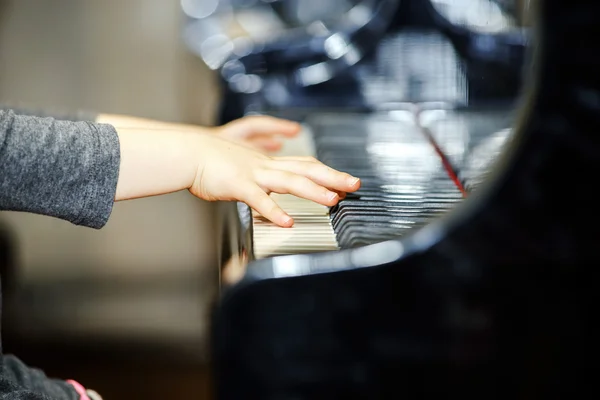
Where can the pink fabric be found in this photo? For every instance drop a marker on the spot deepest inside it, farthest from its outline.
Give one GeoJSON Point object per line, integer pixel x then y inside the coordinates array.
{"type": "Point", "coordinates": [79, 389]}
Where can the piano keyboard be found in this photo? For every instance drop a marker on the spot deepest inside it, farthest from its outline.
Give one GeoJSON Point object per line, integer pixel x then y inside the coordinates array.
{"type": "Point", "coordinates": [404, 183]}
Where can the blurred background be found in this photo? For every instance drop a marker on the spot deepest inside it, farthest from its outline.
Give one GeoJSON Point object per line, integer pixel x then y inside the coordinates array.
{"type": "Point", "coordinates": [123, 309]}
{"type": "Point", "coordinates": [126, 309]}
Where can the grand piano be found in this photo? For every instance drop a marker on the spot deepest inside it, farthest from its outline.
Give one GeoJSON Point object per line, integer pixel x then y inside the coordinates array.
{"type": "Point", "coordinates": [464, 265]}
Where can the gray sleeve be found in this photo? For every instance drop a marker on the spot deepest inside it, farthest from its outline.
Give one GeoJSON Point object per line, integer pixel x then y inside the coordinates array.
{"type": "Point", "coordinates": [20, 382]}
{"type": "Point", "coordinates": [63, 169]}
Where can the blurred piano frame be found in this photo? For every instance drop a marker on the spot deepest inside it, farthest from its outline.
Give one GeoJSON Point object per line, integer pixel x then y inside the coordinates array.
{"type": "Point", "coordinates": [492, 299]}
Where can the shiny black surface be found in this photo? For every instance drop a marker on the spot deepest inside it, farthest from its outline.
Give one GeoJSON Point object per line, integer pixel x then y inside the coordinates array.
{"type": "Point", "coordinates": [492, 301]}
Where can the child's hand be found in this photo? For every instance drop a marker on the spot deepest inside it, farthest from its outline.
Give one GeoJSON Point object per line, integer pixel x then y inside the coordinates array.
{"type": "Point", "coordinates": [260, 132]}
{"type": "Point", "coordinates": [229, 171]}
{"type": "Point", "coordinates": [222, 164]}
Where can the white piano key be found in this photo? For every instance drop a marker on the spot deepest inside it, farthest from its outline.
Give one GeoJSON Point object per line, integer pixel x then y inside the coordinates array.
{"type": "Point", "coordinates": [312, 230]}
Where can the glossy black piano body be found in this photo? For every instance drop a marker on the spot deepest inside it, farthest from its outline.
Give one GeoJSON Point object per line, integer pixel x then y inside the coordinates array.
{"type": "Point", "coordinates": [493, 300]}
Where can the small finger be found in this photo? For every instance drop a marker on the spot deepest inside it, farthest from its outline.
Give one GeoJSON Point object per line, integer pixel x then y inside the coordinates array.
{"type": "Point", "coordinates": [320, 174]}
{"type": "Point", "coordinates": [259, 200]}
{"type": "Point", "coordinates": [298, 185]}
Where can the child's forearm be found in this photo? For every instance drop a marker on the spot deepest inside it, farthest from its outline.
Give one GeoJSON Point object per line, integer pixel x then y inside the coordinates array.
{"type": "Point", "coordinates": [156, 161]}
{"type": "Point", "coordinates": [156, 157]}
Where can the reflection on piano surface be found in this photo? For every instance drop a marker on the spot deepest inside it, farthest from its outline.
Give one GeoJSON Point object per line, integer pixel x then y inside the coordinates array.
{"type": "Point", "coordinates": [406, 288]}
